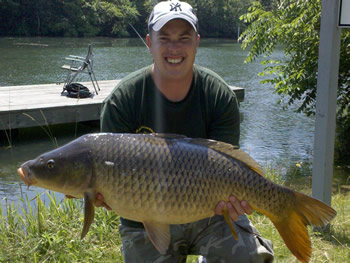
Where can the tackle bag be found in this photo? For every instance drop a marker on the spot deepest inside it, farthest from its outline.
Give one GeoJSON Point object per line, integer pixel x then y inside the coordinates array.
{"type": "Point", "coordinates": [77, 90]}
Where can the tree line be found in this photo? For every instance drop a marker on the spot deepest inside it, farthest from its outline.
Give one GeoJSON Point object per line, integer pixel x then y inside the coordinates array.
{"type": "Point", "coordinates": [110, 18]}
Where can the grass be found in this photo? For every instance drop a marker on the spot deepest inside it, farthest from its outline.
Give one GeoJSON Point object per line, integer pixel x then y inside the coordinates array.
{"type": "Point", "coordinates": [8, 136]}
{"type": "Point", "coordinates": [50, 232]}
{"type": "Point", "coordinates": [45, 128]}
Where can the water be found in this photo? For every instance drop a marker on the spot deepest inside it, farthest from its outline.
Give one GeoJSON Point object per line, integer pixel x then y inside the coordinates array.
{"type": "Point", "coordinates": [276, 137]}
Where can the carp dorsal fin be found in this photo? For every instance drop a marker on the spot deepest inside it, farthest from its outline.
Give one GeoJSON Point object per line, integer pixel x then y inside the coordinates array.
{"type": "Point", "coordinates": [159, 234]}
{"type": "Point", "coordinates": [168, 135]}
{"type": "Point", "coordinates": [231, 151]}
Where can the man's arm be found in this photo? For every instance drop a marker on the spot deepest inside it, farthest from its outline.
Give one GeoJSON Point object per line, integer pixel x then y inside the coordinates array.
{"type": "Point", "coordinates": [115, 115]}
{"type": "Point", "coordinates": [225, 117]}
{"type": "Point", "coordinates": [112, 120]}
{"type": "Point", "coordinates": [226, 127]}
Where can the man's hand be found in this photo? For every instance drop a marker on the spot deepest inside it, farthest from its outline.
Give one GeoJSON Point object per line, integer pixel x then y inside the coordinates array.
{"type": "Point", "coordinates": [99, 201]}
{"type": "Point", "coordinates": [235, 208]}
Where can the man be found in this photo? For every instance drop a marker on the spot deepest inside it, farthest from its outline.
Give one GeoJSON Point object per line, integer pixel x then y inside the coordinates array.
{"type": "Point", "coordinates": [175, 96]}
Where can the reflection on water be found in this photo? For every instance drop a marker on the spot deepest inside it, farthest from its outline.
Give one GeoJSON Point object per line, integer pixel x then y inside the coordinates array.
{"type": "Point", "coordinates": [271, 135]}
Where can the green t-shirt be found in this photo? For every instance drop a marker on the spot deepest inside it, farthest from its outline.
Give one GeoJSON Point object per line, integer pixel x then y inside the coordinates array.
{"type": "Point", "coordinates": [209, 110]}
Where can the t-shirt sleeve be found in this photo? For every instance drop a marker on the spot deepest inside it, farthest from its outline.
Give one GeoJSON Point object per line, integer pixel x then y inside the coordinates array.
{"type": "Point", "coordinates": [117, 114]}
{"type": "Point", "coordinates": [225, 122]}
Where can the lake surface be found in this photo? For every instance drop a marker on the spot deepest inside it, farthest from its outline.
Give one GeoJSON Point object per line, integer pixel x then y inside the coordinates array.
{"type": "Point", "coordinates": [273, 136]}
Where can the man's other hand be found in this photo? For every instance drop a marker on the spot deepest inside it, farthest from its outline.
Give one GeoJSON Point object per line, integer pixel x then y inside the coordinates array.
{"type": "Point", "coordinates": [235, 208]}
{"type": "Point", "coordinates": [99, 201]}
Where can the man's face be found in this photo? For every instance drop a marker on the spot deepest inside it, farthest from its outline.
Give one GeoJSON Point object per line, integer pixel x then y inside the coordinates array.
{"type": "Point", "coordinates": [174, 48]}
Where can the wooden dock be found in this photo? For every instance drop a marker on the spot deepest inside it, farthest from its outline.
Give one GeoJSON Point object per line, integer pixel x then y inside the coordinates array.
{"type": "Point", "coordinates": [41, 105]}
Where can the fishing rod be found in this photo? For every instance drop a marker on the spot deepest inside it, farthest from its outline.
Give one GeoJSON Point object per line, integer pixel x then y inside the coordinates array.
{"type": "Point", "coordinates": [138, 35]}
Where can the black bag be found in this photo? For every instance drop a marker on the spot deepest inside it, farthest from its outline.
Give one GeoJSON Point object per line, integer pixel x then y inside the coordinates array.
{"type": "Point", "coordinates": [77, 90]}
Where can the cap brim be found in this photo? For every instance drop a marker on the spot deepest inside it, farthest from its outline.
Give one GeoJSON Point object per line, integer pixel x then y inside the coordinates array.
{"type": "Point", "coordinates": [161, 22]}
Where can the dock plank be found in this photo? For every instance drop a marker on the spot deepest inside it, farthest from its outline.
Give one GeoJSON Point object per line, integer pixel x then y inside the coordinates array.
{"type": "Point", "coordinates": [36, 105]}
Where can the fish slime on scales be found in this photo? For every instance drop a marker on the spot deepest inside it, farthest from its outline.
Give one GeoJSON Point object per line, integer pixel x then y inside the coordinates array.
{"type": "Point", "coordinates": [163, 179]}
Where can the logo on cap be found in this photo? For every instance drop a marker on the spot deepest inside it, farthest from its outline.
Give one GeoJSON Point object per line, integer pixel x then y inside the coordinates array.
{"type": "Point", "coordinates": [174, 7]}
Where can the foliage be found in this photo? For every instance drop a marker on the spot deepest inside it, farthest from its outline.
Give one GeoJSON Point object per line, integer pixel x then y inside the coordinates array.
{"type": "Point", "coordinates": [110, 17]}
{"type": "Point", "coordinates": [66, 18]}
{"type": "Point", "coordinates": [295, 25]}
{"type": "Point", "coordinates": [144, 7]}
{"type": "Point", "coordinates": [219, 18]}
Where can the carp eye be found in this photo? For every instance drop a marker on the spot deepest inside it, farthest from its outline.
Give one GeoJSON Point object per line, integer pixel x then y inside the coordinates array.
{"type": "Point", "coordinates": [50, 164]}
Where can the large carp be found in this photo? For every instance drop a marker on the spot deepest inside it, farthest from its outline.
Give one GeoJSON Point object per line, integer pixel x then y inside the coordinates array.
{"type": "Point", "coordinates": [162, 179]}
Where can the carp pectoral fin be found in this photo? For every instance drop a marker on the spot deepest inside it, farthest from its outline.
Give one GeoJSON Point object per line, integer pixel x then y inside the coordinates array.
{"type": "Point", "coordinates": [159, 234]}
{"type": "Point", "coordinates": [230, 224]}
{"type": "Point", "coordinates": [89, 212]}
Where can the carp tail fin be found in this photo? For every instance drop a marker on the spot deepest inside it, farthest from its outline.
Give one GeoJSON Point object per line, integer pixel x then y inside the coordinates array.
{"type": "Point", "coordinates": [293, 225]}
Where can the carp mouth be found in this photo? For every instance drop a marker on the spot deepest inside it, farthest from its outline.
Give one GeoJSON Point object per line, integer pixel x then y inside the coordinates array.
{"type": "Point", "coordinates": [26, 178]}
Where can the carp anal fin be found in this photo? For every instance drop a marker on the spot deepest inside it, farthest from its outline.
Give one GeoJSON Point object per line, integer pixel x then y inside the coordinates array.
{"type": "Point", "coordinates": [230, 223]}
{"type": "Point", "coordinates": [230, 151]}
{"type": "Point", "coordinates": [89, 212]}
{"type": "Point", "coordinates": [159, 234]}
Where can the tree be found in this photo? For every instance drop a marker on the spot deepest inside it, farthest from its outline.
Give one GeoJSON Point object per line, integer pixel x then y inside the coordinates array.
{"type": "Point", "coordinates": [66, 17]}
{"type": "Point", "coordinates": [144, 7]}
{"type": "Point", "coordinates": [111, 17]}
{"type": "Point", "coordinates": [295, 25]}
{"type": "Point", "coordinates": [219, 18]}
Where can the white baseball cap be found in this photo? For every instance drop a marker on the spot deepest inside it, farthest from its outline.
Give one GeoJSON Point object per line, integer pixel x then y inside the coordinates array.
{"type": "Point", "coordinates": [165, 11]}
